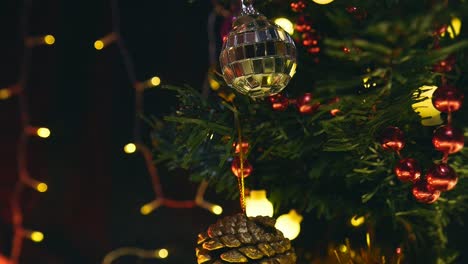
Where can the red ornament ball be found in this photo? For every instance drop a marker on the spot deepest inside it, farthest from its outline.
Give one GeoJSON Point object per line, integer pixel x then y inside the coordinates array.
{"type": "Point", "coordinates": [408, 170]}
{"type": "Point", "coordinates": [447, 99]}
{"type": "Point", "coordinates": [441, 177]}
{"type": "Point", "coordinates": [236, 168]}
{"type": "Point", "coordinates": [448, 139]}
{"type": "Point", "coordinates": [298, 6]}
{"type": "Point", "coordinates": [304, 104]}
{"type": "Point", "coordinates": [423, 194]}
{"type": "Point", "coordinates": [279, 102]}
{"type": "Point", "coordinates": [392, 138]}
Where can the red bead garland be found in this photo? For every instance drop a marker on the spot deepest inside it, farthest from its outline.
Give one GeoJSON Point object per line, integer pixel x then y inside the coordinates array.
{"type": "Point", "coordinates": [408, 170]}
{"type": "Point", "coordinates": [448, 139]}
{"type": "Point", "coordinates": [236, 168]}
{"type": "Point", "coordinates": [423, 194]}
{"type": "Point", "coordinates": [441, 177]}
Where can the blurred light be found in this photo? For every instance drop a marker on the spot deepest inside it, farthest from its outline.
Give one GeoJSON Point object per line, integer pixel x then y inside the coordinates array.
{"type": "Point", "coordinates": [285, 24]}
{"type": "Point", "coordinates": [155, 81]}
{"type": "Point", "coordinates": [368, 241]}
{"type": "Point", "coordinates": [214, 84]}
{"type": "Point", "coordinates": [5, 94]}
{"type": "Point", "coordinates": [42, 187]}
{"type": "Point", "coordinates": [425, 109]}
{"type": "Point", "coordinates": [258, 204]}
{"type": "Point", "coordinates": [454, 28]}
{"type": "Point", "coordinates": [163, 253]}
{"type": "Point", "coordinates": [130, 148]}
{"type": "Point", "coordinates": [323, 2]}
{"type": "Point", "coordinates": [398, 250]}
{"type": "Point", "coordinates": [216, 209]}
{"type": "Point", "coordinates": [357, 221]}
{"type": "Point", "coordinates": [146, 209]}
{"type": "Point", "coordinates": [289, 224]}
{"type": "Point", "coordinates": [99, 44]}
{"type": "Point", "coordinates": [49, 39]}
{"type": "Point", "coordinates": [43, 132]}
{"type": "Point", "coordinates": [37, 236]}
{"type": "Point", "coordinates": [343, 248]}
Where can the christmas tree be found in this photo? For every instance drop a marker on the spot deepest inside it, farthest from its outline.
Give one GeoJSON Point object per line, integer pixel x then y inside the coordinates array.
{"type": "Point", "coordinates": [350, 142]}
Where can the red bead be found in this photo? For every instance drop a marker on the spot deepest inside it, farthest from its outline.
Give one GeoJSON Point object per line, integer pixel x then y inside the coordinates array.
{"type": "Point", "coordinates": [447, 99]}
{"type": "Point", "coordinates": [313, 50]}
{"type": "Point", "coordinates": [298, 6]}
{"type": "Point", "coordinates": [423, 194]}
{"type": "Point", "coordinates": [392, 138]}
{"type": "Point", "coordinates": [408, 170]}
{"type": "Point", "coordinates": [236, 168]}
{"type": "Point", "coordinates": [346, 50]}
{"type": "Point", "coordinates": [441, 177]}
{"type": "Point", "coordinates": [279, 102]}
{"type": "Point", "coordinates": [237, 147]}
{"type": "Point", "coordinates": [358, 13]}
{"type": "Point", "coordinates": [445, 65]}
{"type": "Point", "coordinates": [448, 139]}
{"type": "Point", "coordinates": [304, 105]}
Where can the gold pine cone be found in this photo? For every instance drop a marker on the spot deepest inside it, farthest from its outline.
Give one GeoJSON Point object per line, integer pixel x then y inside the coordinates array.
{"type": "Point", "coordinates": [239, 239]}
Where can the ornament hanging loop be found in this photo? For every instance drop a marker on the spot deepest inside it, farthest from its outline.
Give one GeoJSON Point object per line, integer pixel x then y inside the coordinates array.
{"type": "Point", "coordinates": [247, 8]}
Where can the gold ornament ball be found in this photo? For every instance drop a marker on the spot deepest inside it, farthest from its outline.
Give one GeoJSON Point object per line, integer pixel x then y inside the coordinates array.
{"type": "Point", "coordinates": [258, 57]}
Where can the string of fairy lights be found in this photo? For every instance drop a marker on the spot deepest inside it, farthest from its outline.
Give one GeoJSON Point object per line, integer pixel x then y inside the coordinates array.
{"type": "Point", "coordinates": [27, 130]}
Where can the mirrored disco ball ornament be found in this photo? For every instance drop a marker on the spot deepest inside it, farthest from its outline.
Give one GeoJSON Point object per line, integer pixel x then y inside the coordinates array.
{"type": "Point", "coordinates": [258, 57]}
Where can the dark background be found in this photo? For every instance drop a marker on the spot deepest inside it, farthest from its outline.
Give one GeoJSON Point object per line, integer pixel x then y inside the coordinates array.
{"type": "Point", "coordinates": [85, 98]}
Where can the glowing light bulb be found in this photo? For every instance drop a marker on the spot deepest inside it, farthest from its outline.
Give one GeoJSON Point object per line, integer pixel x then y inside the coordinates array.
{"type": "Point", "coordinates": [49, 39]}
{"type": "Point", "coordinates": [323, 2]}
{"type": "Point", "coordinates": [343, 248]}
{"type": "Point", "coordinates": [41, 187]}
{"type": "Point", "coordinates": [155, 81]}
{"type": "Point", "coordinates": [429, 114]}
{"type": "Point", "coordinates": [37, 236]}
{"type": "Point", "coordinates": [43, 132]}
{"type": "Point", "coordinates": [5, 94]}
{"type": "Point", "coordinates": [289, 224]}
{"type": "Point", "coordinates": [258, 204]}
{"type": "Point", "coordinates": [454, 28]}
{"type": "Point", "coordinates": [216, 209]}
{"type": "Point", "coordinates": [285, 24]}
{"type": "Point", "coordinates": [357, 221]}
{"type": "Point", "coordinates": [162, 253]}
{"type": "Point", "coordinates": [146, 209]}
{"type": "Point", "coordinates": [99, 44]}
{"type": "Point", "coordinates": [130, 148]}
{"type": "Point", "coordinates": [368, 240]}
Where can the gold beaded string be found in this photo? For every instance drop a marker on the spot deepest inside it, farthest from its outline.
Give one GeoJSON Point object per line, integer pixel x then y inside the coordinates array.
{"type": "Point", "coordinates": [240, 179]}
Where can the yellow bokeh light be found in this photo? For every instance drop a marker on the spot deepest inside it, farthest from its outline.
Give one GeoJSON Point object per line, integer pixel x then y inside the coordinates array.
{"type": "Point", "coordinates": [454, 28]}
{"type": "Point", "coordinates": [284, 23]}
{"type": "Point", "coordinates": [98, 44]}
{"type": "Point", "coordinates": [162, 253]}
{"type": "Point", "coordinates": [43, 132]}
{"type": "Point", "coordinates": [368, 240]}
{"type": "Point", "coordinates": [155, 81]}
{"type": "Point", "coordinates": [5, 94]}
{"type": "Point", "coordinates": [37, 236]}
{"type": "Point", "coordinates": [343, 248]}
{"type": "Point", "coordinates": [425, 109]}
{"type": "Point", "coordinates": [130, 148]}
{"type": "Point", "coordinates": [216, 209]}
{"type": "Point", "coordinates": [49, 39]}
{"type": "Point", "coordinates": [357, 221]}
{"type": "Point", "coordinates": [323, 2]}
{"type": "Point", "coordinates": [146, 209]}
{"type": "Point", "coordinates": [42, 187]}
{"type": "Point", "coordinates": [289, 224]}
{"type": "Point", "coordinates": [258, 204]}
